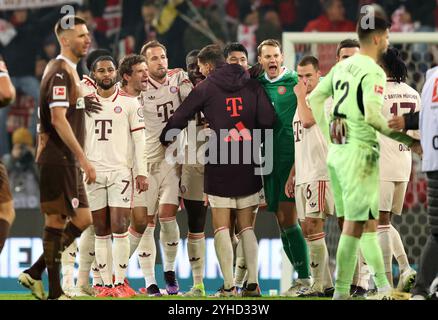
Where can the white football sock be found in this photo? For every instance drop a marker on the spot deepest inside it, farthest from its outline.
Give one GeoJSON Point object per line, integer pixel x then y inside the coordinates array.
{"type": "Point", "coordinates": [134, 240]}
{"type": "Point", "coordinates": [240, 267]}
{"type": "Point", "coordinates": [147, 253]}
{"type": "Point", "coordinates": [364, 272]}
{"type": "Point", "coordinates": [120, 256]}
{"type": "Point", "coordinates": [224, 253]}
{"type": "Point", "coordinates": [68, 259]}
{"type": "Point", "coordinates": [385, 242]}
{"type": "Point", "coordinates": [398, 249]}
{"type": "Point", "coordinates": [196, 252]}
{"type": "Point", "coordinates": [251, 253]}
{"type": "Point", "coordinates": [102, 248]}
{"type": "Point", "coordinates": [169, 238]}
{"type": "Point", "coordinates": [319, 260]}
{"type": "Point", "coordinates": [86, 256]}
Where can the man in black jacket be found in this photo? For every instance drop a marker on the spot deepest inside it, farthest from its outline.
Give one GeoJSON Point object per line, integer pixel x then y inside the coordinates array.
{"type": "Point", "coordinates": [235, 106]}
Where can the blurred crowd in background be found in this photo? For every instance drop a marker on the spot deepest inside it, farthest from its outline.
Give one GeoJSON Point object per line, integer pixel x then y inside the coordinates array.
{"type": "Point", "coordinates": [27, 43]}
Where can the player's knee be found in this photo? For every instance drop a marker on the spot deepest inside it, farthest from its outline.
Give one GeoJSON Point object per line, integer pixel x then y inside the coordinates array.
{"type": "Point", "coordinates": [139, 227]}
{"type": "Point", "coordinates": [314, 226]}
{"type": "Point", "coordinates": [384, 218]}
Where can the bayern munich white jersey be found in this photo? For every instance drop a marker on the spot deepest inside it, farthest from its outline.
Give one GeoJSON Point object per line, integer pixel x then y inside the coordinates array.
{"type": "Point", "coordinates": [159, 102]}
{"type": "Point", "coordinates": [88, 85]}
{"type": "Point", "coordinates": [395, 157]}
{"type": "Point", "coordinates": [109, 145]}
{"type": "Point", "coordinates": [310, 153]}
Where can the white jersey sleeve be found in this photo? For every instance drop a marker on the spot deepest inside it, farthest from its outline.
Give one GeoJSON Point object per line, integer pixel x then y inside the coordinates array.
{"type": "Point", "coordinates": [395, 157]}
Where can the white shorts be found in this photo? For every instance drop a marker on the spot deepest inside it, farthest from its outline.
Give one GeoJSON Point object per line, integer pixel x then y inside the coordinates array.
{"type": "Point", "coordinates": [112, 188]}
{"type": "Point", "coordinates": [314, 200]}
{"type": "Point", "coordinates": [163, 188]}
{"type": "Point", "coordinates": [234, 202]}
{"type": "Point", "coordinates": [192, 182]}
{"type": "Point", "coordinates": [392, 196]}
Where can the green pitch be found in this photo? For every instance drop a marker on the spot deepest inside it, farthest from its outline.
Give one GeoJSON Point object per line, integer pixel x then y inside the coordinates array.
{"type": "Point", "coordinates": [142, 297]}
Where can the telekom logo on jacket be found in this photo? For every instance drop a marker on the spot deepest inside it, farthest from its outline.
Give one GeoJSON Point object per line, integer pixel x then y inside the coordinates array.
{"type": "Point", "coordinates": [234, 105]}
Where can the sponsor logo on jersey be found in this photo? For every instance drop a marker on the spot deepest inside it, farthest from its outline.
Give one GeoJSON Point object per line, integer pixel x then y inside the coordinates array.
{"type": "Point", "coordinates": [281, 90]}
{"type": "Point", "coordinates": [378, 89]}
{"type": "Point", "coordinates": [125, 199]}
{"type": "Point", "coordinates": [60, 75]}
{"type": "Point", "coordinates": [174, 89]}
{"type": "Point", "coordinates": [312, 204]}
{"type": "Point", "coordinates": [59, 92]}
{"type": "Point", "coordinates": [151, 97]}
{"type": "Point", "coordinates": [118, 109]}
{"type": "Point", "coordinates": [75, 203]}
{"type": "Point", "coordinates": [140, 112]}
{"type": "Point", "coordinates": [435, 91]}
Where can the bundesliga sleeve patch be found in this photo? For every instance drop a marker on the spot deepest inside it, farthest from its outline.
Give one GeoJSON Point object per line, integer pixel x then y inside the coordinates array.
{"type": "Point", "coordinates": [435, 91]}
{"type": "Point", "coordinates": [378, 89]}
{"type": "Point", "coordinates": [59, 92]}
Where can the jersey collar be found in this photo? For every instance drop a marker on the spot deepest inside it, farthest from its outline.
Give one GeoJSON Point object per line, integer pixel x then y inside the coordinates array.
{"type": "Point", "coordinates": [283, 72]}
{"type": "Point", "coordinates": [69, 62]}
{"type": "Point", "coordinates": [156, 84]}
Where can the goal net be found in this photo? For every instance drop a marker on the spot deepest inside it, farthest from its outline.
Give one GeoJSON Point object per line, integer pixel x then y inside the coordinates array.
{"type": "Point", "coordinates": [420, 52]}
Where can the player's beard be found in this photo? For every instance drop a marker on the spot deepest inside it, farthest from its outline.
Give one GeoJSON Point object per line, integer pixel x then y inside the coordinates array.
{"type": "Point", "coordinates": [106, 86]}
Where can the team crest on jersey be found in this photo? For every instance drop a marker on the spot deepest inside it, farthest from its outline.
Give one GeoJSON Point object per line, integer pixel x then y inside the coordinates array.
{"type": "Point", "coordinates": [59, 92]}
{"type": "Point", "coordinates": [435, 92]}
{"type": "Point", "coordinates": [281, 90]}
{"type": "Point", "coordinates": [174, 89]}
{"type": "Point", "coordinates": [80, 103]}
{"type": "Point", "coordinates": [140, 112]}
{"type": "Point", "coordinates": [118, 109]}
{"type": "Point", "coordinates": [75, 203]}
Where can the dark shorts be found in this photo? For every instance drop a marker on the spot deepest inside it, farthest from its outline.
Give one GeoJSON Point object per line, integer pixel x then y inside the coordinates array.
{"type": "Point", "coordinates": [61, 190]}
{"type": "Point", "coordinates": [274, 185]}
{"type": "Point", "coordinates": [5, 192]}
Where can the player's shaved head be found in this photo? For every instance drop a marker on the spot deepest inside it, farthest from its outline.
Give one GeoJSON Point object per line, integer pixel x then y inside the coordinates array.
{"type": "Point", "coordinates": [65, 24]}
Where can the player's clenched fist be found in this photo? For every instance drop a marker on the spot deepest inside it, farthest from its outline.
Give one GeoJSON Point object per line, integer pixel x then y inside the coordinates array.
{"type": "Point", "coordinates": [141, 183]}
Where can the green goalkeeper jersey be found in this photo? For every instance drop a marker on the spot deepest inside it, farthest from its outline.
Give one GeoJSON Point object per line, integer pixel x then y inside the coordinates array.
{"type": "Point", "coordinates": [281, 93]}
{"type": "Point", "coordinates": [357, 85]}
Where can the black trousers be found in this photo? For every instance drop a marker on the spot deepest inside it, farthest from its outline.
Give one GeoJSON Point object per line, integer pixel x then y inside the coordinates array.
{"type": "Point", "coordinates": [428, 267]}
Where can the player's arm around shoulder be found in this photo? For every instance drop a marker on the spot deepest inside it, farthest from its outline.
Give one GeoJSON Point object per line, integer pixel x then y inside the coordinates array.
{"type": "Point", "coordinates": [266, 115]}
{"type": "Point", "coordinates": [185, 86]}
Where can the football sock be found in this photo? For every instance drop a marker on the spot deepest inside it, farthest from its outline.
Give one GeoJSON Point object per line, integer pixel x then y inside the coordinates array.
{"type": "Point", "coordinates": [364, 272]}
{"type": "Point", "coordinates": [68, 259]}
{"type": "Point", "coordinates": [250, 251]}
{"type": "Point", "coordinates": [86, 256]}
{"type": "Point", "coordinates": [224, 253]}
{"type": "Point", "coordinates": [109, 245]}
{"type": "Point", "coordinates": [52, 255]}
{"type": "Point", "coordinates": [134, 240]}
{"type": "Point", "coordinates": [196, 252]}
{"type": "Point", "coordinates": [169, 238]}
{"type": "Point", "coordinates": [398, 249]}
{"type": "Point", "coordinates": [298, 250]}
{"type": "Point", "coordinates": [319, 260]}
{"type": "Point", "coordinates": [373, 256]}
{"type": "Point", "coordinates": [240, 267]}
{"type": "Point", "coordinates": [147, 252]}
{"type": "Point", "coordinates": [97, 279]}
{"type": "Point", "coordinates": [120, 256]}
{"type": "Point", "coordinates": [286, 248]}
{"type": "Point", "coordinates": [346, 258]}
{"type": "Point", "coordinates": [384, 238]}
{"type": "Point", "coordinates": [102, 247]}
